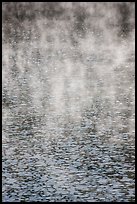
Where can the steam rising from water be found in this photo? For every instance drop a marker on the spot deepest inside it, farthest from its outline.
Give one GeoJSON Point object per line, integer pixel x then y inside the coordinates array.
{"type": "Point", "coordinates": [68, 100]}
{"type": "Point", "coordinates": [59, 59]}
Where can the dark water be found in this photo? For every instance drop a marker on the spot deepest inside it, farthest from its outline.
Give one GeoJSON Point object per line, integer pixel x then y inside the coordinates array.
{"type": "Point", "coordinates": [68, 110]}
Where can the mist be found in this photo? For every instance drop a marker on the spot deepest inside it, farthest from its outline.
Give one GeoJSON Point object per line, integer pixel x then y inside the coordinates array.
{"type": "Point", "coordinates": [69, 66]}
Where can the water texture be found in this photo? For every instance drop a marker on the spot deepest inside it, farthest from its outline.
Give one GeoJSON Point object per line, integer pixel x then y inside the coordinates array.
{"type": "Point", "coordinates": [68, 101]}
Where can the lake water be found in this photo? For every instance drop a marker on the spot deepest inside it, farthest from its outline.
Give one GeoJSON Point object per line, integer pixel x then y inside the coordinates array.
{"type": "Point", "coordinates": [68, 102]}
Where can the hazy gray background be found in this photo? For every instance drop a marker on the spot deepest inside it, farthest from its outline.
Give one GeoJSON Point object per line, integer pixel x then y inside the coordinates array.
{"type": "Point", "coordinates": [68, 71]}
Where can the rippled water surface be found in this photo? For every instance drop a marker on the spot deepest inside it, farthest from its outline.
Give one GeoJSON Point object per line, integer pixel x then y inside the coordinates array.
{"type": "Point", "coordinates": [68, 102]}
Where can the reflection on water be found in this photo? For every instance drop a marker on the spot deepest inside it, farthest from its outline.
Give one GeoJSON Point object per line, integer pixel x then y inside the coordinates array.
{"type": "Point", "coordinates": [60, 164]}
{"type": "Point", "coordinates": [68, 103]}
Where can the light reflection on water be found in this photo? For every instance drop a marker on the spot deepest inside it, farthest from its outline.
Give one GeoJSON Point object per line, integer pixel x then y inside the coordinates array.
{"type": "Point", "coordinates": [74, 164]}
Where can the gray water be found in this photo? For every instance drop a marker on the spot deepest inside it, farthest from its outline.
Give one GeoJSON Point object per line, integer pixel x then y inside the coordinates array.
{"type": "Point", "coordinates": [68, 102]}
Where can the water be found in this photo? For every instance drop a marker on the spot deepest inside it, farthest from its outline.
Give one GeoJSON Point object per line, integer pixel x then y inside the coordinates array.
{"type": "Point", "coordinates": [68, 127]}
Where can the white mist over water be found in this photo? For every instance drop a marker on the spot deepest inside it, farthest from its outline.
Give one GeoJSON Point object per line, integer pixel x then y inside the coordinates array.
{"type": "Point", "coordinates": [68, 59]}
{"type": "Point", "coordinates": [68, 87]}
